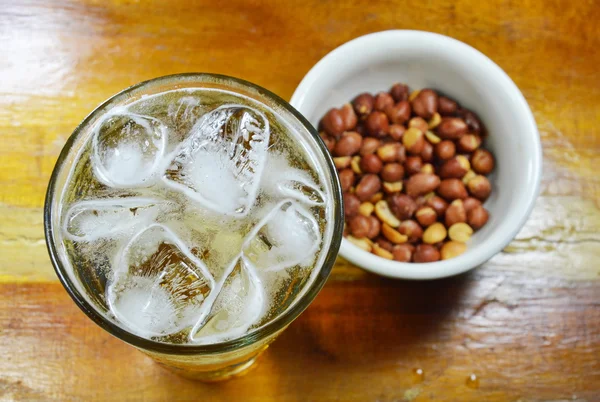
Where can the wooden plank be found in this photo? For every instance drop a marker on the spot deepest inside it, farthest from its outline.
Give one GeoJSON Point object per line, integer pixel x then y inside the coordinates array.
{"type": "Point", "coordinates": [527, 323]}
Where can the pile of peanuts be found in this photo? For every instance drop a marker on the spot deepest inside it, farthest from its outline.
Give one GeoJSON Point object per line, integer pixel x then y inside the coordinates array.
{"type": "Point", "coordinates": [412, 171]}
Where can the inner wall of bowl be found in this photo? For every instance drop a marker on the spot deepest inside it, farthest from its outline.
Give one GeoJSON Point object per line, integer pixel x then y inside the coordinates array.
{"type": "Point", "coordinates": [464, 79]}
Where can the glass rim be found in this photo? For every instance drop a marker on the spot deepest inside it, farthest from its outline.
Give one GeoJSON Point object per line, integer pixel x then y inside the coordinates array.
{"type": "Point", "coordinates": [272, 327]}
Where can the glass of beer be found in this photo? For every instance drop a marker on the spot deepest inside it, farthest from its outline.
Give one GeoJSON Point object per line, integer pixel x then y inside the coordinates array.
{"type": "Point", "coordinates": [194, 217]}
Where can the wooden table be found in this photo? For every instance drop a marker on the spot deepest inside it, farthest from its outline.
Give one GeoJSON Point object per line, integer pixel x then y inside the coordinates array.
{"type": "Point", "coordinates": [527, 323]}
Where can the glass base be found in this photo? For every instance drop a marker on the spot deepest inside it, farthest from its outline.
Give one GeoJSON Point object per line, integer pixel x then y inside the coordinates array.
{"type": "Point", "coordinates": [227, 373]}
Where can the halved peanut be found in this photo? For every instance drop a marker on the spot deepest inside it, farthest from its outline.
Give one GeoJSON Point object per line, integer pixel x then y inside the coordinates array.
{"type": "Point", "coordinates": [360, 243]}
{"type": "Point", "coordinates": [381, 252]}
{"type": "Point", "coordinates": [452, 249]}
{"type": "Point", "coordinates": [427, 168]}
{"type": "Point", "coordinates": [434, 233]}
{"type": "Point", "coordinates": [392, 187]}
{"type": "Point", "coordinates": [382, 210]}
{"type": "Point", "coordinates": [342, 162]}
{"type": "Point", "coordinates": [393, 235]}
{"type": "Point", "coordinates": [460, 232]}
{"type": "Point", "coordinates": [376, 198]}
{"type": "Point", "coordinates": [413, 95]}
{"type": "Point", "coordinates": [366, 208]}
{"type": "Point", "coordinates": [432, 138]}
{"type": "Point", "coordinates": [468, 176]}
{"type": "Point", "coordinates": [355, 164]}
{"type": "Point", "coordinates": [463, 162]}
{"type": "Point", "coordinates": [435, 120]}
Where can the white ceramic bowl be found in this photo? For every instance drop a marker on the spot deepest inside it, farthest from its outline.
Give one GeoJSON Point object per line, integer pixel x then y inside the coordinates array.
{"type": "Point", "coordinates": [373, 62]}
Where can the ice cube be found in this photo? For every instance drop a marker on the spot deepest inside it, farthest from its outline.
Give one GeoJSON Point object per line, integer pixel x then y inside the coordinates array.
{"type": "Point", "coordinates": [184, 113]}
{"type": "Point", "coordinates": [282, 180]}
{"type": "Point", "coordinates": [110, 218]}
{"type": "Point", "coordinates": [287, 236]}
{"type": "Point", "coordinates": [128, 149]}
{"type": "Point", "coordinates": [158, 286]}
{"type": "Point", "coordinates": [220, 163]}
{"type": "Point", "coordinates": [238, 305]}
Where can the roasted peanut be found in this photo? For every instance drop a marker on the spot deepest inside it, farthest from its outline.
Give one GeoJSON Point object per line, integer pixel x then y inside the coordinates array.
{"type": "Point", "coordinates": [378, 196]}
{"type": "Point", "coordinates": [446, 107]}
{"type": "Point", "coordinates": [377, 124]}
{"type": "Point", "coordinates": [369, 146]}
{"type": "Point", "coordinates": [426, 253]}
{"type": "Point", "coordinates": [435, 121]}
{"type": "Point", "coordinates": [328, 140]}
{"type": "Point", "coordinates": [452, 249]}
{"type": "Point", "coordinates": [413, 164]}
{"type": "Point", "coordinates": [411, 229]}
{"type": "Point", "coordinates": [434, 233]}
{"type": "Point", "coordinates": [438, 204]}
{"type": "Point", "coordinates": [382, 210]}
{"type": "Point", "coordinates": [427, 168]}
{"type": "Point", "coordinates": [455, 167]}
{"type": "Point", "coordinates": [388, 152]}
{"type": "Point", "coordinates": [359, 225]}
{"type": "Point", "coordinates": [403, 252]}
{"type": "Point", "coordinates": [392, 187]}
{"type": "Point", "coordinates": [460, 232]}
{"type": "Point", "coordinates": [398, 113]}
{"type": "Point", "coordinates": [342, 162]}
{"type": "Point", "coordinates": [482, 161]}
{"type": "Point", "coordinates": [413, 95]}
{"type": "Point", "coordinates": [366, 208]}
{"type": "Point", "coordinates": [477, 217]}
{"type": "Point", "coordinates": [371, 163]}
{"type": "Point", "coordinates": [351, 204]}
{"type": "Point", "coordinates": [348, 117]}
{"type": "Point", "coordinates": [346, 179]}
{"type": "Point", "coordinates": [397, 131]}
{"type": "Point", "coordinates": [383, 100]}
{"type": "Point", "coordinates": [399, 92]}
{"type": "Point", "coordinates": [421, 183]}
{"type": "Point", "coordinates": [419, 123]}
{"type": "Point", "coordinates": [425, 103]}
{"type": "Point", "coordinates": [363, 104]}
{"type": "Point", "coordinates": [360, 243]}
{"type": "Point", "coordinates": [432, 138]}
{"type": "Point", "coordinates": [392, 234]}
{"type": "Point", "coordinates": [469, 143]}
{"type": "Point", "coordinates": [384, 243]}
{"type": "Point", "coordinates": [455, 213]}
{"type": "Point", "coordinates": [426, 215]}
{"type": "Point", "coordinates": [369, 185]}
{"type": "Point", "coordinates": [348, 145]}
{"type": "Point", "coordinates": [468, 176]}
{"type": "Point", "coordinates": [451, 189]}
{"type": "Point", "coordinates": [480, 187]}
{"type": "Point", "coordinates": [452, 128]}
{"type": "Point", "coordinates": [392, 172]}
{"type": "Point", "coordinates": [355, 164]}
{"type": "Point", "coordinates": [471, 119]}
{"type": "Point", "coordinates": [471, 203]}
{"type": "Point", "coordinates": [381, 252]}
{"type": "Point", "coordinates": [427, 152]}
{"type": "Point", "coordinates": [402, 206]}
{"type": "Point", "coordinates": [445, 150]}
{"type": "Point", "coordinates": [374, 227]}
{"type": "Point", "coordinates": [413, 140]}
{"type": "Point", "coordinates": [333, 122]}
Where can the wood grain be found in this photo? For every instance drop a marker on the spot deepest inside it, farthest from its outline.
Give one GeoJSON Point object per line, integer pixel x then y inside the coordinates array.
{"type": "Point", "coordinates": [527, 323]}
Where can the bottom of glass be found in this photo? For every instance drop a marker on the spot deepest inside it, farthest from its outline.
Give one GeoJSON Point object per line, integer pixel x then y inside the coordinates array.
{"type": "Point", "coordinates": [226, 373]}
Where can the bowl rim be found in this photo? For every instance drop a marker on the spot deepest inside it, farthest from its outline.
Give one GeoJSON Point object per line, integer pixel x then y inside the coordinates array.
{"type": "Point", "coordinates": [467, 261]}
